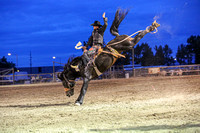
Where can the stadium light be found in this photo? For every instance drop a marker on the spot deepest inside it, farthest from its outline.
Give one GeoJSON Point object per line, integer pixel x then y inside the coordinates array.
{"type": "Point", "coordinates": [9, 54]}
{"type": "Point", "coordinates": [54, 57]}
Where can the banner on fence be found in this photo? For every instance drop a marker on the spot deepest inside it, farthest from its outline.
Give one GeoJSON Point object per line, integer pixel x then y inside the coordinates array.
{"type": "Point", "coordinates": [153, 70]}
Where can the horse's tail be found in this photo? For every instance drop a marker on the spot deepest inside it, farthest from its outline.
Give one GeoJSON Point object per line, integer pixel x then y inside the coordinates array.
{"type": "Point", "coordinates": [119, 16]}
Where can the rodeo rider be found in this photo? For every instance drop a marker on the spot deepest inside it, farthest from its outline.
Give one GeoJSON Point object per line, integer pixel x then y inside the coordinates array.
{"type": "Point", "coordinates": [95, 42]}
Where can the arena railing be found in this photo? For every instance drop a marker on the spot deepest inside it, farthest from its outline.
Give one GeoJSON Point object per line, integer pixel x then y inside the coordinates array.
{"type": "Point", "coordinates": [113, 72]}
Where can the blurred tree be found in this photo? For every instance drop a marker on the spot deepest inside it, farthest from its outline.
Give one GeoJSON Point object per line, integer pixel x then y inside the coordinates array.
{"type": "Point", "coordinates": [194, 47]}
{"type": "Point", "coordinates": [181, 54]}
{"type": "Point", "coordinates": [184, 54]}
{"type": "Point", "coordinates": [188, 54]}
{"type": "Point", "coordinates": [5, 64]}
{"type": "Point", "coordinates": [168, 59]}
{"type": "Point", "coordinates": [159, 56]}
{"type": "Point", "coordinates": [137, 54]}
{"type": "Point", "coordinates": [147, 55]}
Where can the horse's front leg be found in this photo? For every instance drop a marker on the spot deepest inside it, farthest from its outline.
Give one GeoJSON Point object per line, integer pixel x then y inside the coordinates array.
{"type": "Point", "coordinates": [79, 101]}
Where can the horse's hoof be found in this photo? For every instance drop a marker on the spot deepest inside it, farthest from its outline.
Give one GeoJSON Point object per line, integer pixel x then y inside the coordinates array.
{"type": "Point", "coordinates": [77, 104]}
{"type": "Point", "coordinates": [155, 24]}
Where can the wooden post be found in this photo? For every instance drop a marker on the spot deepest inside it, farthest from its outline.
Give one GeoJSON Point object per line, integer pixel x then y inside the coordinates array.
{"type": "Point", "coordinates": [133, 62]}
{"type": "Point", "coordinates": [13, 72]}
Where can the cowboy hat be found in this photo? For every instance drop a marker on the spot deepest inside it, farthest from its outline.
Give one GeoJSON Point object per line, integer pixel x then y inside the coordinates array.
{"type": "Point", "coordinates": [96, 23]}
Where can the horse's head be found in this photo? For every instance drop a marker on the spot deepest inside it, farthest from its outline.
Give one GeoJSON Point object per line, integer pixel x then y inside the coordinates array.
{"type": "Point", "coordinates": [68, 84]}
{"type": "Point", "coordinates": [68, 80]}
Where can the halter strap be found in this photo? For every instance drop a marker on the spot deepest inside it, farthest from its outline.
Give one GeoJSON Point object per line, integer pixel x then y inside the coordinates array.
{"type": "Point", "coordinates": [68, 81]}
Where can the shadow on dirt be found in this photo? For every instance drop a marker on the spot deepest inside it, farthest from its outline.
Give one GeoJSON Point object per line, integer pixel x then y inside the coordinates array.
{"type": "Point", "coordinates": [37, 106]}
{"type": "Point", "coordinates": [150, 128]}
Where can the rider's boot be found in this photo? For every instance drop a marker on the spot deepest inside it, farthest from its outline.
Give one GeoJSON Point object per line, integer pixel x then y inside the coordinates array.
{"type": "Point", "coordinates": [88, 69]}
{"type": "Point", "coordinates": [85, 59]}
{"type": "Point", "coordinates": [89, 66]}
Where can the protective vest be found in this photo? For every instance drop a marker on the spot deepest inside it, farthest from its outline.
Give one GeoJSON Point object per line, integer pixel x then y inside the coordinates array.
{"type": "Point", "coordinates": [97, 38]}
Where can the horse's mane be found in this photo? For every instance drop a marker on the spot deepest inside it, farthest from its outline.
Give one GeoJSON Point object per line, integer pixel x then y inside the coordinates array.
{"type": "Point", "coordinates": [119, 16]}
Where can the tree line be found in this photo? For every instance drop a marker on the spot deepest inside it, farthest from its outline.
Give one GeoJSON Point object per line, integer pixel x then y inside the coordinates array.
{"type": "Point", "coordinates": [143, 54]}
{"type": "Point", "coordinates": [6, 64]}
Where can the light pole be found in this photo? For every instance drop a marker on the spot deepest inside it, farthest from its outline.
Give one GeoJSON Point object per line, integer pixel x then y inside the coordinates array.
{"type": "Point", "coordinates": [9, 54]}
{"type": "Point", "coordinates": [54, 78]}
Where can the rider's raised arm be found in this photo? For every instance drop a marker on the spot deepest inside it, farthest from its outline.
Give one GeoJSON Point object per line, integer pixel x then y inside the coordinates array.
{"type": "Point", "coordinates": [103, 28]}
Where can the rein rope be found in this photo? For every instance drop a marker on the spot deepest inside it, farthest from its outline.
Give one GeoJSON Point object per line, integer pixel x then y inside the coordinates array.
{"type": "Point", "coordinates": [68, 81]}
{"type": "Point", "coordinates": [133, 35]}
{"type": "Point", "coordinates": [113, 52]}
{"type": "Point", "coordinates": [125, 38]}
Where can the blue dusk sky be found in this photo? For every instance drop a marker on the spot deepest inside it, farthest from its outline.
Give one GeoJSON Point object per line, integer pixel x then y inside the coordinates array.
{"type": "Point", "coordinates": [50, 28]}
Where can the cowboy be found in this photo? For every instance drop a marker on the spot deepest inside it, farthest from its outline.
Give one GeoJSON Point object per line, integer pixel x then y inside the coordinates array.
{"type": "Point", "coordinates": [95, 41]}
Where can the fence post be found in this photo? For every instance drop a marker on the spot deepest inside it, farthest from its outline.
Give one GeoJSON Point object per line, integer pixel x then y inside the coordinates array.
{"type": "Point", "coordinates": [54, 79]}
{"type": "Point", "coordinates": [13, 72]}
{"type": "Point", "coordinates": [133, 62]}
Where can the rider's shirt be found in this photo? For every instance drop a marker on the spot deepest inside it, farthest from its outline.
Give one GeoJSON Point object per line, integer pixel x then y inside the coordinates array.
{"type": "Point", "coordinates": [97, 37]}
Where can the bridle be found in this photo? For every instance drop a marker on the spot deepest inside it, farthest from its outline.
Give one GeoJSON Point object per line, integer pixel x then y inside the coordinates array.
{"type": "Point", "coordinates": [69, 82]}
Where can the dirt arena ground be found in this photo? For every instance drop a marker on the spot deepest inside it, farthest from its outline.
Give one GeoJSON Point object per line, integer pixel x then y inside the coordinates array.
{"type": "Point", "coordinates": [148, 104]}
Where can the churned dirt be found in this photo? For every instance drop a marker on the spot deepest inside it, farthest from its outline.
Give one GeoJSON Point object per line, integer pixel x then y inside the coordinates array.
{"type": "Point", "coordinates": [146, 104]}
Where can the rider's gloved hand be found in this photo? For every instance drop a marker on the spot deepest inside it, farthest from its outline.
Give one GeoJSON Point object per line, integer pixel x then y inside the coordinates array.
{"type": "Point", "coordinates": [105, 18]}
{"type": "Point", "coordinates": [84, 49]}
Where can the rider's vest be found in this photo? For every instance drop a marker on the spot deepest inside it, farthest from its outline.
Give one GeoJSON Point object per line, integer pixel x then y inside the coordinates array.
{"type": "Point", "coordinates": [97, 38]}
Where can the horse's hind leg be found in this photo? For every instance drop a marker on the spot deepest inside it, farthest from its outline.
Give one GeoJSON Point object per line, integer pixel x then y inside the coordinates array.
{"type": "Point", "coordinates": [79, 101]}
{"type": "Point", "coordinates": [141, 34]}
{"type": "Point", "coordinates": [138, 37]}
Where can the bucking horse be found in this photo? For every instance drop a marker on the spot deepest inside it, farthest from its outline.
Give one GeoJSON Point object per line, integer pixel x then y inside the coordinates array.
{"type": "Point", "coordinates": [106, 57]}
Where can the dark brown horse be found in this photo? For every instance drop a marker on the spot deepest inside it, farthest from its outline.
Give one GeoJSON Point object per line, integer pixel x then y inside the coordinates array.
{"type": "Point", "coordinates": [111, 52]}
